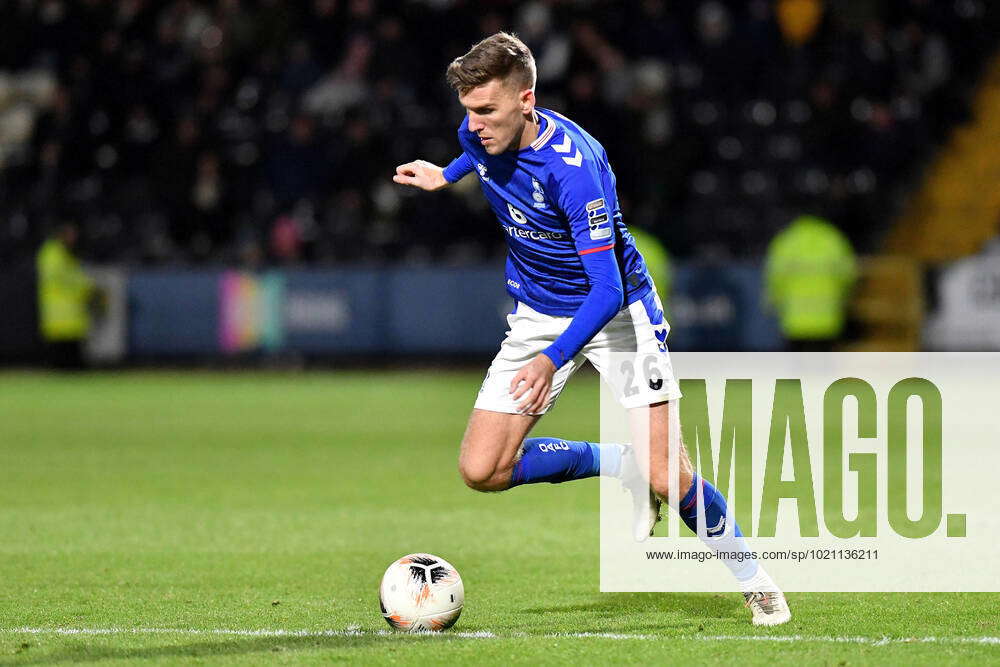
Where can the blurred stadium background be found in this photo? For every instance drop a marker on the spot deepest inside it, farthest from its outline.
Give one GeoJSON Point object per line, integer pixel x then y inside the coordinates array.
{"type": "Point", "coordinates": [227, 165]}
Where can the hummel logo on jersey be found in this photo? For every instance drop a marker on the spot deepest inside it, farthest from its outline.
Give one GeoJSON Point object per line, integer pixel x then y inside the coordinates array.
{"type": "Point", "coordinates": [565, 147]}
{"type": "Point", "coordinates": [482, 171]}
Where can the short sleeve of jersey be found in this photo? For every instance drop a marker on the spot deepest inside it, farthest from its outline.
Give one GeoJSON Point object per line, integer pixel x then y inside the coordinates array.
{"type": "Point", "coordinates": [581, 199]}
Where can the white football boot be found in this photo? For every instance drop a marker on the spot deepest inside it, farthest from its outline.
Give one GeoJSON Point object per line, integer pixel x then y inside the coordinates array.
{"type": "Point", "coordinates": [768, 608]}
{"type": "Point", "coordinates": [764, 599]}
{"type": "Point", "coordinates": [645, 504]}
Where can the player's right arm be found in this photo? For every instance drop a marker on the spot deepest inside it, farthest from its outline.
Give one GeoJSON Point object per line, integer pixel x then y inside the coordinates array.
{"type": "Point", "coordinates": [426, 176]}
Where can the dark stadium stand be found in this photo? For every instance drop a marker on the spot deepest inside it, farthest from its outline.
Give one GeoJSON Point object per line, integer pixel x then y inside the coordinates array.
{"type": "Point", "coordinates": [250, 133]}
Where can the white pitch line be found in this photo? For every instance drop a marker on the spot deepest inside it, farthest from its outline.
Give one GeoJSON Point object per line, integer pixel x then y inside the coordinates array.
{"type": "Point", "coordinates": [485, 634]}
{"type": "Point", "coordinates": [873, 641]}
{"type": "Point", "coordinates": [349, 632]}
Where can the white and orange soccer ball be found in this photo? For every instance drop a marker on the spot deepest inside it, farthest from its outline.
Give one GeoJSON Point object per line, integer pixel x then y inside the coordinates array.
{"type": "Point", "coordinates": [421, 593]}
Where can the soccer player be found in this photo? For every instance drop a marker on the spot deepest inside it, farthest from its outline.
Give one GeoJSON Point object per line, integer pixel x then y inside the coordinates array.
{"type": "Point", "coordinates": [581, 291]}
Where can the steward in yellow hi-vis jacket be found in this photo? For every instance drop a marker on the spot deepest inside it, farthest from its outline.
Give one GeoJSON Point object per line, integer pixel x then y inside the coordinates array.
{"type": "Point", "coordinates": [64, 294]}
{"type": "Point", "coordinates": [657, 263]}
{"type": "Point", "coordinates": [810, 270]}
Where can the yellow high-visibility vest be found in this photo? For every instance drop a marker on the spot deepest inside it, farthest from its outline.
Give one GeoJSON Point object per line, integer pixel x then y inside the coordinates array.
{"type": "Point", "coordinates": [63, 293]}
{"type": "Point", "coordinates": [657, 261]}
{"type": "Point", "coordinates": [810, 270]}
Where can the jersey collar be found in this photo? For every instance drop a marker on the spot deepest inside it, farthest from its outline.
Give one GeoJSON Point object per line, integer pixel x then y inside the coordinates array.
{"type": "Point", "coordinates": [543, 138]}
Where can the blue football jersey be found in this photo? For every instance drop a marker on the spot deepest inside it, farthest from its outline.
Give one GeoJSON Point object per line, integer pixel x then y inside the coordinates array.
{"type": "Point", "coordinates": [555, 201]}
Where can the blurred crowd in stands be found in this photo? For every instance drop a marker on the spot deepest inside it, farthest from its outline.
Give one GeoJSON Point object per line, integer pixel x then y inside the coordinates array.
{"type": "Point", "coordinates": [259, 132]}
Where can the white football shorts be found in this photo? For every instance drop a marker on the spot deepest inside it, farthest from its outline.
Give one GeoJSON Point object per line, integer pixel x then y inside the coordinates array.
{"type": "Point", "coordinates": [630, 353]}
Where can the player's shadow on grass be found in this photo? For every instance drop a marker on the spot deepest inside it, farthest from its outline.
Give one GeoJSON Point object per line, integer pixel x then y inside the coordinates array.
{"type": "Point", "coordinates": [266, 646]}
{"type": "Point", "coordinates": [686, 605]}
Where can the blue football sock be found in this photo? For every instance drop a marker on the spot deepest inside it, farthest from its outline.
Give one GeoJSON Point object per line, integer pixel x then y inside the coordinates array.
{"type": "Point", "coordinates": [554, 460]}
{"type": "Point", "coordinates": [717, 535]}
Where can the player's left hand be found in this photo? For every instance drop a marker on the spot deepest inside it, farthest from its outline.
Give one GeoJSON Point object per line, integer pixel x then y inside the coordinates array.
{"type": "Point", "coordinates": [533, 383]}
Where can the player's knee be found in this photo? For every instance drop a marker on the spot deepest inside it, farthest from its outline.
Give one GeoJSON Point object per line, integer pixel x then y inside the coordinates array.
{"type": "Point", "coordinates": [475, 476]}
{"type": "Point", "coordinates": [482, 476]}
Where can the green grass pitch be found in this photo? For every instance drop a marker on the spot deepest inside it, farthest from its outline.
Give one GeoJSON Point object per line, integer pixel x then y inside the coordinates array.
{"type": "Point", "coordinates": [248, 517]}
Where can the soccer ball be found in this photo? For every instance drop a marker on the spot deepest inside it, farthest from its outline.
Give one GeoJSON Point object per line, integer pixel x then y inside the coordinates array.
{"type": "Point", "coordinates": [420, 593]}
